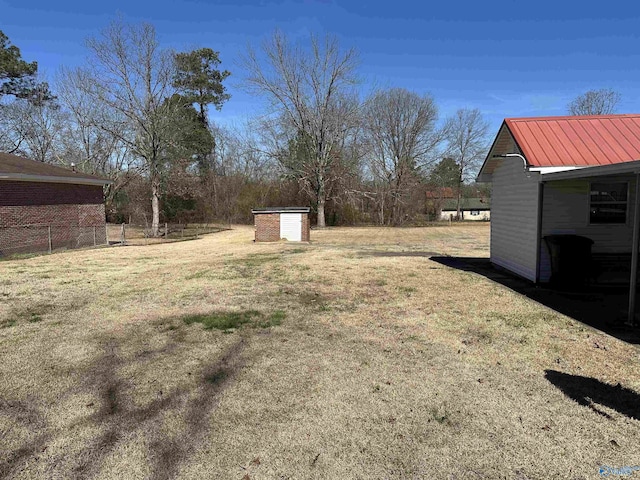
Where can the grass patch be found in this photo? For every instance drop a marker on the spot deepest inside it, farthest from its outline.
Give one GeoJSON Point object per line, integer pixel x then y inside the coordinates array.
{"type": "Point", "coordinates": [20, 256]}
{"type": "Point", "coordinates": [257, 260]}
{"type": "Point", "coordinates": [477, 335]}
{"type": "Point", "coordinates": [31, 314]}
{"type": "Point", "coordinates": [407, 290]}
{"type": "Point", "coordinates": [441, 415]}
{"type": "Point", "coordinates": [234, 320]}
{"type": "Point", "coordinates": [272, 320]}
{"type": "Point", "coordinates": [200, 274]}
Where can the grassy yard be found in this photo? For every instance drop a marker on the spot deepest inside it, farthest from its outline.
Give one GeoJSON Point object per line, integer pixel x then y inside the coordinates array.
{"type": "Point", "coordinates": [354, 357]}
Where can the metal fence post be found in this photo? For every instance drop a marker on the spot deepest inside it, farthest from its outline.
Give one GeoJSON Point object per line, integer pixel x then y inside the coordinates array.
{"type": "Point", "coordinates": [166, 231]}
{"type": "Point", "coordinates": [106, 234]}
{"type": "Point", "coordinates": [122, 235]}
{"type": "Point", "coordinates": [49, 232]}
{"type": "Point", "coordinates": [94, 236]}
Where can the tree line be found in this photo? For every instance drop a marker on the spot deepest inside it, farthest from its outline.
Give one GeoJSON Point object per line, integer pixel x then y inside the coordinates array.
{"type": "Point", "coordinates": [141, 115]}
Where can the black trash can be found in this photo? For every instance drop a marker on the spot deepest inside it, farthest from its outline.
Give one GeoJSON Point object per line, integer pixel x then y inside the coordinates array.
{"type": "Point", "coordinates": [571, 262]}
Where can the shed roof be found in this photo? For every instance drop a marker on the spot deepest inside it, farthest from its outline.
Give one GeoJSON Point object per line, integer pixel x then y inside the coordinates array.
{"type": "Point", "coordinates": [280, 210]}
{"type": "Point", "coordinates": [13, 167]}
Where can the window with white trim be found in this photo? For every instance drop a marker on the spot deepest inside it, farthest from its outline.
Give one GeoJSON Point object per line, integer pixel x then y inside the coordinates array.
{"type": "Point", "coordinates": [608, 202]}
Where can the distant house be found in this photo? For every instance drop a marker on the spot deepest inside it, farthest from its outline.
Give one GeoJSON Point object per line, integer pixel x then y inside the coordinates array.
{"type": "Point", "coordinates": [477, 208]}
{"type": "Point", "coordinates": [442, 202]}
{"type": "Point", "coordinates": [577, 176]}
{"type": "Point", "coordinates": [44, 207]}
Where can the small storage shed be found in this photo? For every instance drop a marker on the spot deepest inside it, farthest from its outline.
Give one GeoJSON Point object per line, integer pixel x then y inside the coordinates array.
{"type": "Point", "coordinates": [276, 223]}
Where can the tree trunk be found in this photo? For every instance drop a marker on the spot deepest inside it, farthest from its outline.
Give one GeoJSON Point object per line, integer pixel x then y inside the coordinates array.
{"type": "Point", "coordinates": [321, 221]}
{"type": "Point", "coordinates": [321, 202]}
{"type": "Point", "coordinates": [155, 205]}
{"type": "Point", "coordinates": [459, 196]}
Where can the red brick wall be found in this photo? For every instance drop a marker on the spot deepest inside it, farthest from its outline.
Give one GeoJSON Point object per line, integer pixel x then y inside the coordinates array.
{"type": "Point", "coordinates": [40, 193]}
{"type": "Point", "coordinates": [267, 227]}
{"type": "Point", "coordinates": [30, 212]}
{"type": "Point", "coordinates": [306, 235]}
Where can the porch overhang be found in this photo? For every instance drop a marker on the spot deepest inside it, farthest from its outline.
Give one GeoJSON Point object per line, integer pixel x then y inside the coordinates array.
{"type": "Point", "coordinates": [629, 169]}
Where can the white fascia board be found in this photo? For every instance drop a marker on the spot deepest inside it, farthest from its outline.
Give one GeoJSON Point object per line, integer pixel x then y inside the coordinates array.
{"type": "Point", "coordinates": [626, 168]}
{"type": "Point", "coordinates": [20, 177]}
{"type": "Point", "coordinates": [547, 170]}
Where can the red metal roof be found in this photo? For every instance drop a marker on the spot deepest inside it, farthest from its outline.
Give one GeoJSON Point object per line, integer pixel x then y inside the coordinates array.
{"type": "Point", "coordinates": [577, 140]}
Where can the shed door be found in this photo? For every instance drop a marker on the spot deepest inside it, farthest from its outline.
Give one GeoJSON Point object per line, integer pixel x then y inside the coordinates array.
{"type": "Point", "coordinates": [291, 226]}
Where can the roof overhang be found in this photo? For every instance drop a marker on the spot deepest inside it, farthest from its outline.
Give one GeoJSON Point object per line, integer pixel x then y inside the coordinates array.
{"type": "Point", "coordinates": [627, 168]}
{"type": "Point", "coordinates": [257, 211]}
{"type": "Point", "coordinates": [21, 177]}
{"type": "Point", "coordinates": [504, 144]}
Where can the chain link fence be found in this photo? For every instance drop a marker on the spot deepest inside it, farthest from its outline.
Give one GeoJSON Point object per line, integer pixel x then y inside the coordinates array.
{"type": "Point", "coordinates": [138, 234]}
{"type": "Point", "coordinates": [42, 238]}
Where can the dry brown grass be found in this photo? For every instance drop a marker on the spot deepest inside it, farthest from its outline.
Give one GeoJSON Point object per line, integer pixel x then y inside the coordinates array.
{"type": "Point", "coordinates": [387, 365]}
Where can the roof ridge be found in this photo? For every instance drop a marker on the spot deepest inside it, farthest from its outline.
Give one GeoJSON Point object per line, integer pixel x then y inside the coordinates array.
{"type": "Point", "coordinates": [571, 117]}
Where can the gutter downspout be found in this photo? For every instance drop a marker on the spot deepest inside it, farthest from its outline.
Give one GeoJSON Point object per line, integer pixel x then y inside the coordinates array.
{"type": "Point", "coordinates": [631, 316]}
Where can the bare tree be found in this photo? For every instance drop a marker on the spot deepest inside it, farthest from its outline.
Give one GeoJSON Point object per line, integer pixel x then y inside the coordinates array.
{"type": "Point", "coordinates": [89, 139]}
{"type": "Point", "coordinates": [33, 128]}
{"type": "Point", "coordinates": [308, 89]}
{"type": "Point", "coordinates": [466, 135]}
{"type": "Point", "coordinates": [402, 136]}
{"type": "Point", "coordinates": [131, 75]}
{"type": "Point", "coordinates": [595, 102]}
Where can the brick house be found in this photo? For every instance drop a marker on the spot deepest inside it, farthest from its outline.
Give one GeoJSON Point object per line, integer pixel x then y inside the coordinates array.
{"type": "Point", "coordinates": [44, 207]}
{"type": "Point", "coordinates": [290, 223]}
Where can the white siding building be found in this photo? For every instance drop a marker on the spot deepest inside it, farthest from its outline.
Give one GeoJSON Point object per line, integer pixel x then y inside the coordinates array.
{"type": "Point", "coordinates": [558, 176]}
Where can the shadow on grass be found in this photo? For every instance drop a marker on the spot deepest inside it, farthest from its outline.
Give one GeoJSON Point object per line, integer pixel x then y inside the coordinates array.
{"type": "Point", "coordinates": [591, 392]}
{"type": "Point", "coordinates": [30, 416]}
{"type": "Point", "coordinates": [117, 417]}
{"type": "Point", "coordinates": [603, 308]}
{"type": "Point", "coordinates": [377, 253]}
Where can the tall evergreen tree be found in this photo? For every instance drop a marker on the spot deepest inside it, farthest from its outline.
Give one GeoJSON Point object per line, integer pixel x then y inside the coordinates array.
{"type": "Point", "coordinates": [17, 77]}
{"type": "Point", "coordinates": [199, 80]}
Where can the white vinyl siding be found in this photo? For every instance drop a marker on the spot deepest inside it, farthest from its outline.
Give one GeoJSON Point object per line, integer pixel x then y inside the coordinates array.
{"type": "Point", "coordinates": [566, 211]}
{"type": "Point", "coordinates": [514, 218]}
{"type": "Point", "coordinates": [291, 226]}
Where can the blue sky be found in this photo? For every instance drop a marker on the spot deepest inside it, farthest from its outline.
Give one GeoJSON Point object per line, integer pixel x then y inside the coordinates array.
{"type": "Point", "coordinates": [508, 58]}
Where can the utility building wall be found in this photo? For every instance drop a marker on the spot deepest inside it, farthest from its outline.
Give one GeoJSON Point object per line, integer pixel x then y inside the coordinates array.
{"type": "Point", "coordinates": [514, 218]}
{"type": "Point", "coordinates": [267, 227]}
{"type": "Point", "coordinates": [37, 216]}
